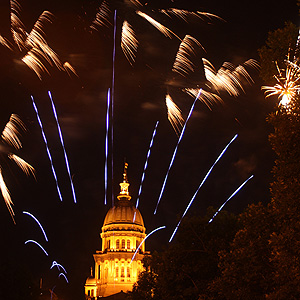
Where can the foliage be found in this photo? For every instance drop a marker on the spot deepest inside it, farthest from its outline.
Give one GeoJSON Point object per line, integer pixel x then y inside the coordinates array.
{"type": "Point", "coordinates": [185, 268]}
{"type": "Point", "coordinates": [280, 43]}
{"type": "Point", "coordinates": [285, 191]}
{"type": "Point", "coordinates": [245, 268]}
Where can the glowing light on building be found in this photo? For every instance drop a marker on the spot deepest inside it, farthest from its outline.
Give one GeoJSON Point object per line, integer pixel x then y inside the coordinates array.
{"type": "Point", "coordinates": [121, 237]}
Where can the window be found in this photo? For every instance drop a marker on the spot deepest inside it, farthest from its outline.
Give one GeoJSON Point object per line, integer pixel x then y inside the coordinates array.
{"type": "Point", "coordinates": [117, 271]}
{"type": "Point", "coordinates": [128, 272]}
{"type": "Point", "coordinates": [99, 271]}
{"type": "Point", "coordinates": [108, 244]}
{"type": "Point", "coordinates": [118, 244]}
{"type": "Point", "coordinates": [123, 244]}
{"type": "Point", "coordinates": [128, 244]}
{"type": "Point", "coordinates": [122, 272]}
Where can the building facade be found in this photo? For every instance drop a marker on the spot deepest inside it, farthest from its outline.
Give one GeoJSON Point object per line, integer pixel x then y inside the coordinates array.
{"type": "Point", "coordinates": [119, 262]}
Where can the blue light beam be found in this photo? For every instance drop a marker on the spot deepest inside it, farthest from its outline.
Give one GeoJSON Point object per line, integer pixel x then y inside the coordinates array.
{"type": "Point", "coordinates": [146, 164]}
{"type": "Point", "coordinates": [63, 146]}
{"type": "Point", "coordinates": [175, 151]}
{"type": "Point", "coordinates": [230, 198]}
{"type": "Point", "coordinates": [47, 148]}
{"type": "Point", "coordinates": [35, 219]}
{"type": "Point", "coordinates": [33, 241]}
{"type": "Point", "coordinates": [204, 179]}
{"type": "Point", "coordinates": [162, 227]}
{"type": "Point", "coordinates": [106, 147]}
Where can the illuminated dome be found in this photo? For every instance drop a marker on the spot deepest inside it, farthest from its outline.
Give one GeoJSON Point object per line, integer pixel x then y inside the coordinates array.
{"type": "Point", "coordinates": [123, 213]}
{"type": "Point", "coordinates": [119, 263]}
{"type": "Point", "coordinates": [90, 281]}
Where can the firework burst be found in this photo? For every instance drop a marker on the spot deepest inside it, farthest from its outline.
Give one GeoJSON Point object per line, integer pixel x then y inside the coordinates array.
{"type": "Point", "coordinates": [32, 46]}
{"type": "Point", "coordinates": [11, 141]}
{"type": "Point", "coordinates": [287, 86]}
{"type": "Point", "coordinates": [129, 41]}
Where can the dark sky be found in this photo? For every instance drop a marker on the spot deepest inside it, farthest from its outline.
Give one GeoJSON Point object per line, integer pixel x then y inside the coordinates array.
{"type": "Point", "coordinates": [73, 229]}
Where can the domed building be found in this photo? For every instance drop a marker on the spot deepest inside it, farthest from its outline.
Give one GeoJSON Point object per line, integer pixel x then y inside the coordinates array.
{"type": "Point", "coordinates": [119, 263]}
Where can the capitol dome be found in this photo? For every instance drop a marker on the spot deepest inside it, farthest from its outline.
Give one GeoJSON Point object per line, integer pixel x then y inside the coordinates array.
{"type": "Point", "coordinates": [119, 262]}
{"type": "Point", "coordinates": [124, 212]}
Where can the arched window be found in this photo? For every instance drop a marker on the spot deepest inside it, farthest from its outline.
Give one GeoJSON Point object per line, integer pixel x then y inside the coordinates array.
{"type": "Point", "coordinates": [123, 244]}
{"type": "Point", "coordinates": [99, 271]}
{"type": "Point", "coordinates": [118, 244]}
{"type": "Point", "coordinates": [92, 293]}
{"type": "Point", "coordinates": [128, 244]}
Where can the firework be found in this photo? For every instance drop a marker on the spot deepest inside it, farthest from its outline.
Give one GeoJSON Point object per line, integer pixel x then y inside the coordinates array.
{"type": "Point", "coordinates": [174, 114]}
{"type": "Point", "coordinates": [204, 179]}
{"type": "Point", "coordinates": [106, 147]}
{"type": "Point", "coordinates": [37, 221]}
{"type": "Point", "coordinates": [228, 77]}
{"type": "Point", "coordinates": [64, 276]}
{"type": "Point", "coordinates": [37, 51]}
{"type": "Point", "coordinates": [63, 146]}
{"type": "Point", "coordinates": [145, 167]}
{"type": "Point", "coordinates": [47, 148]}
{"type": "Point", "coordinates": [230, 198]}
{"type": "Point", "coordinates": [136, 251]}
{"type": "Point", "coordinates": [34, 242]}
{"type": "Point", "coordinates": [175, 151]}
{"type": "Point", "coordinates": [184, 14]}
{"type": "Point", "coordinates": [10, 139]}
{"type": "Point", "coordinates": [183, 63]}
{"type": "Point", "coordinates": [287, 86]}
{"type": "Point", "coordinates": [129, 42]}
{"type": "Point", "coordinates": [59, 266]}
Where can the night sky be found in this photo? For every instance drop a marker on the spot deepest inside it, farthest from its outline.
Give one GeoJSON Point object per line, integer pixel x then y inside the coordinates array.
{"type": "Point", "coordinates": [139, 102]}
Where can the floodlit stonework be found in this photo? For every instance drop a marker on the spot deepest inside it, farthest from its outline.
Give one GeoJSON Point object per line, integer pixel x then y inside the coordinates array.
{"type": "Point", "coordinates": [123, 232]}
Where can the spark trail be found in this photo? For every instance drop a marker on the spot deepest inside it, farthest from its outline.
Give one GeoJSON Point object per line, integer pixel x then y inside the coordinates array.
{"type": "Point", "coordinates": [162, 227]}
{"type": "Point", "coordinates": [175, 151]}
{"type": "Point", "coordinates": [33, 241]}
{"type": "Point", "coordinates": [64, 276]}
{"type": "Point", "coordinates": [59, 266]}
{"type": "Point", "coordinates": [106, 147]}
{"type": "Point", "coordinates": [145, 166]}
{"type": "Point", "coordinates": [204, 179]}
{"type": "Point", "coordinates": [230, 198]}
{"type": "Point", "coordinates": [47, 148]}
{"type": "Point", "coordinates": [112, 104]}
{"type": "Point", "coordinates": [35, 219]}
{"type": "Point", "coordinates": [63, 146]}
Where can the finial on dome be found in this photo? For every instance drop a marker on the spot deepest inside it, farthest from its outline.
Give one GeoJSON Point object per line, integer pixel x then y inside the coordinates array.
{"type": "Point", "coordinates": [125, 172]}
{"type": "Point", "coordinates": [124, 193]}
